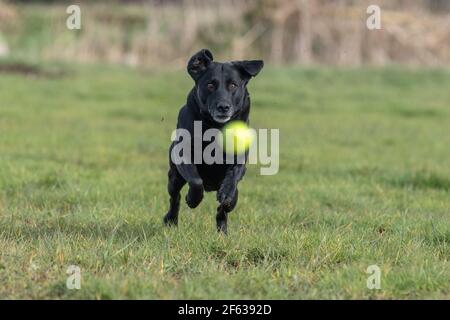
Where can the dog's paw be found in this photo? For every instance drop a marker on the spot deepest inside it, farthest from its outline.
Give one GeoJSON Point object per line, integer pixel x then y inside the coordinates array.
{"type": "Point", "coordinates": [226, 194]}
{"type": "Point", "coordinates": [222, 226]}
{"type": "Point", "coordinates": [170, 219]}
{"type": "Point", "coordinates": [194, 195]}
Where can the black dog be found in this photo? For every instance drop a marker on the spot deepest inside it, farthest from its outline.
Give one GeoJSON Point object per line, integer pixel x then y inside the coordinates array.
{"type": "Point", "coordinates": [220, 95]}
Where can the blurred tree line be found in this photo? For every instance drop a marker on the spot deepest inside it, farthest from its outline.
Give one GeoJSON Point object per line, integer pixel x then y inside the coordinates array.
{"type": "Point", "coordinates": [156, 32]}
{"type": "Point", "coordinates": [435, 5]}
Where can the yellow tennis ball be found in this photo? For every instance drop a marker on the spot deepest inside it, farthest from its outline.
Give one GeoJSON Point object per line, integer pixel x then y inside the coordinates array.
{"type": "Point", "coordinates": [236, 137]}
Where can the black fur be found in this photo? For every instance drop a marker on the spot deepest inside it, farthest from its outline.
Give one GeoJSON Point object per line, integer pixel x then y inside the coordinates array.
{"type": "Point", "coordinates": [219, 96]}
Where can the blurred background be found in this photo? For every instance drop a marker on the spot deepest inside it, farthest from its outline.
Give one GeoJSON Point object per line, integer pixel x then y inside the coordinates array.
{"type": "Point", "coordinates": [166, 33]}
{"type": "Point", "coordinates": [86, 118]}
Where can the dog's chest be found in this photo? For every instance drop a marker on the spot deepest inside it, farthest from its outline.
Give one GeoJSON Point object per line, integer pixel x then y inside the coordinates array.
{"type": "Point", "coordinates": [212, 175]}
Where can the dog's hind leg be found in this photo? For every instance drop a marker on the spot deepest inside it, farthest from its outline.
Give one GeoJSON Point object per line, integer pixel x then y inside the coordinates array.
{"type": "Point", "coordinates": [176, 183]}
{"type": "Point", "coordinates": [222, 213]}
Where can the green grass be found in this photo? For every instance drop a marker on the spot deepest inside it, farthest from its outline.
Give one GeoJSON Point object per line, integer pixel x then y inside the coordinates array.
{"type": "Point", "coordinates": [364, 179]}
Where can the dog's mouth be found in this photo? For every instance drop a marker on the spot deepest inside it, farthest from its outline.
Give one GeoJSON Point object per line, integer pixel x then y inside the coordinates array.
{"type": "Point", "coordinates": [221, 118]}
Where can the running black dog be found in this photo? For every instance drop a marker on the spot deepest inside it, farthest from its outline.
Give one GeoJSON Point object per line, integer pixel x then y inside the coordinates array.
{"type": "Point", "coordinates": [219, 96]}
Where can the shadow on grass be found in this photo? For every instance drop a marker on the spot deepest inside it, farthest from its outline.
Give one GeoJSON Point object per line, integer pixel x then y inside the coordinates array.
{"type": "Point", "coordinates": [420, 179]}
{"type": "Point", "coordinates": [416, 113]}
{"type": "Point", "coordinates": [423, 179]}
{"type": "Point", "coordinates": [74, 229]}
{"type": "Point", "coordinates": [249, 256]}
{"type": "Point", "coordinates": [26, 69]}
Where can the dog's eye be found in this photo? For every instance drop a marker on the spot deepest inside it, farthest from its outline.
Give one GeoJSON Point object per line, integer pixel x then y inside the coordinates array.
{"type": "Point", "coordinates": [210, 86]}
{"type": "Point", "coordinates": [232, 87]}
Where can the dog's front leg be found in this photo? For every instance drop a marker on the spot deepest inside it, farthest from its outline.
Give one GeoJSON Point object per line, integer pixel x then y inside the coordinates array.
{"type": "Point", "coordinates": [228, 195]}
{"type": "Point", "coordinates": [190, 173]}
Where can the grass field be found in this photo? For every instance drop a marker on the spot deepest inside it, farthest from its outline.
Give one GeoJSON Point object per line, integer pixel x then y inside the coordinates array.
{"type": "Point", "coordinates": [364, 179]}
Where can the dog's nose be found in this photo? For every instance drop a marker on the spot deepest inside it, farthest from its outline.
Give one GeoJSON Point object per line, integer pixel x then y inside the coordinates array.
{"type": "Point", "coordinates": [223, 107]}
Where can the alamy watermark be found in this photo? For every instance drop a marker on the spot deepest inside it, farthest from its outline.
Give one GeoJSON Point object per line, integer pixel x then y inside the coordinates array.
{"type": "Point", "coordinates": [73, 22]}
{"type": "Point", "coordinates": [373, 22]}
{"type": "Point", "coordinates": [73, 281]}
{"type": "Point", "coordinates": [212, 153]}
{"type": "Point", "coordinates": [374, 280]}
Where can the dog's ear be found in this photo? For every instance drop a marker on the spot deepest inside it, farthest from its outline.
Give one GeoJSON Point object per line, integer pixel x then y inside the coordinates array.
{"type": "Point", "coordinates": [250, 68]}
{"type": "Point", "coordinates": [199, 62]}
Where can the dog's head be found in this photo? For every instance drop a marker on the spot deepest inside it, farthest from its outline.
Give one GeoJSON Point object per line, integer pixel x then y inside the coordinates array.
{"type": "Point", "coordinates": [221, 88]}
